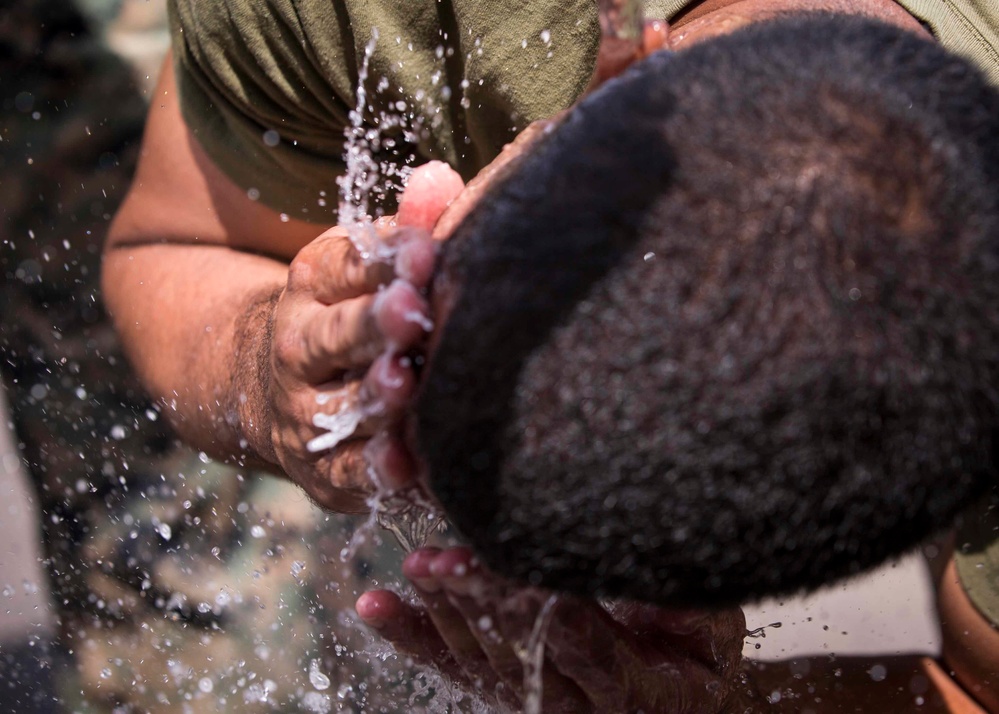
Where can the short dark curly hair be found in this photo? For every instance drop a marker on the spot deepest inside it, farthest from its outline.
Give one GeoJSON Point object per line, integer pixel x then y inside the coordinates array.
{"type": "Point", "coordinates": [732, 329]}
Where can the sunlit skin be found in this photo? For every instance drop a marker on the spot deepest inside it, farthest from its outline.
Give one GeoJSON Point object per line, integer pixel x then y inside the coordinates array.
{"type": "Point", "coordinates": [237, 319]}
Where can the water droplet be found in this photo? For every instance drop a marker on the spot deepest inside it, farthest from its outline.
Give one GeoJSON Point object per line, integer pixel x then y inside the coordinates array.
{"type": "Point", "coordinates": [257, 531]}
{"type": "Point", "coordinates": [546, 36]}
{"type": "Point", "coordinates": [271, 138]}
{"type": "Point", "coordinates": [319, 680]}
{"type": "Point", "coordinates": [317, 703]}
{"type": "Point", "coordinates": [878, 673]}
{"type": "Point", "coordinates": [418, 318]}
{"type": "Point", "coordinates": [205, 685]}
{"type": "Point", "coordinates": [166, 533]}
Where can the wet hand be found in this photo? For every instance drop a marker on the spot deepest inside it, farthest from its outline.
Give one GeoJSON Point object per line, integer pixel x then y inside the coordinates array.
{"type": "Point", "coordinates": [341, 330]}
{"type": "Point", "coordinates": [620, 657]}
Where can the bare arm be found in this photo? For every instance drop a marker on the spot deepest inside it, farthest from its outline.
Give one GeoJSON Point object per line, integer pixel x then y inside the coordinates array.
{"type": "Point", "coordinates": [237, 318]}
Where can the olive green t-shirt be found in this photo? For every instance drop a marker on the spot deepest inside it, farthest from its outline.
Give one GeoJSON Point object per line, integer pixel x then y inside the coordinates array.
{"type": "Point", "coordinates": [268, 86]}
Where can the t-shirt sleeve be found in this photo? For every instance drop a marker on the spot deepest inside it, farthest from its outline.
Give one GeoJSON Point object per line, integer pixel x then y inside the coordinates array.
{"type": "Point", "coordinates": [252, 94]}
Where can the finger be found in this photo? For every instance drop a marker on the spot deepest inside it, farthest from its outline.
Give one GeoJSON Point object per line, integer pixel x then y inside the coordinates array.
{"type": "Point", "coordinates": [615, 54]}
{"type": "Point", "coordinates": [476, 597]}
{"type": "Point", "coordinates": [503, 618]}
{"type": "Point", "coordinates": [617, 673]}
{"type": "Point", "coordinates": [714, 638]}
{"type": "Point", "coordinates": [449, 622]}
{"type": "Point", "coordinates": [341, 481]}
{"type": "Point", "coordinates": [330, 269]}
{"type": "Point", "coordinates": [361, 409]}
{"type": "Point", "coordinates": [415, 260]}
{"type": "Point", "coordinates": [431, 188]}
{"type": "Point", "coordinates": [351, 334]}
{"type": "Point", "coordinates": [409, 630]}
{"type": "Point", "coordinates": [655, 36]}
{"type": "Point", "coordinates": [388, 388]}
{"type": "Point", "coordinates": [497, 169]}
{"type": "Point", "coordinates": [393, 466]}
{"type": "Point", "coordinates": [590, 654]}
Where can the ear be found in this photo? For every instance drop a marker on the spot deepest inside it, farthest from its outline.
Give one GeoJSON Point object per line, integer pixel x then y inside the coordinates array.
{"type": "Point", "coordinates": [616, 53]}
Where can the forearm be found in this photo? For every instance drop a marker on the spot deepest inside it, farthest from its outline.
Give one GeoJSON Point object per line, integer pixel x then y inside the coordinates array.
{"type": "Point", "coordinates": [195, 321]}
{"type": "Point", "coordinates": [856, 684]}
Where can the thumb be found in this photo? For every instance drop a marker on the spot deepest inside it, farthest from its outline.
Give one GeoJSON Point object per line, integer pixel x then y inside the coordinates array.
{"type": "Point", "coordinates": [431, 188]}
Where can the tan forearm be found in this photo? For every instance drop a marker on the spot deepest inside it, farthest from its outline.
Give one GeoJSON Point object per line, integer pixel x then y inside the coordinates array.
{"type": "Point", "coordinates": [194, 322]}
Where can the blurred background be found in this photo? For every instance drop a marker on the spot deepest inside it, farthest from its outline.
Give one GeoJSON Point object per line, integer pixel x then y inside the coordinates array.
{"type": "Point", "coordinates": [75, 76]}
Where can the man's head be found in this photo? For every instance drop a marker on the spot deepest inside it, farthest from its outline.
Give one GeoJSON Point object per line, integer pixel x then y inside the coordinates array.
{"type": "Point", "coordinates": [732, 328]}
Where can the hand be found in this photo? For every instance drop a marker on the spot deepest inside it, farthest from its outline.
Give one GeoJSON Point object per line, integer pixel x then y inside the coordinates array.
{"type": "Point", "coordinates": [341, 330]}
{"type": "Point", "coordinates": [622, 657]}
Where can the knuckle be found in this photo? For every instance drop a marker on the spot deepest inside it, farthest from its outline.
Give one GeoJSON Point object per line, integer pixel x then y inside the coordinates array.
{"type": "Point", "coordinates": [300, 272]}
{"type": "Point", "coordinates": [349, 468]}
{"type": "Point", "coordinates": [327, 342]}
{"type": "Point", "coordinates": [286, 351]}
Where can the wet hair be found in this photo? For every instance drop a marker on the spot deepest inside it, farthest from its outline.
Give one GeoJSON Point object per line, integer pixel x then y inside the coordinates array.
{"type": "Point", "coordinates": [732, 329]}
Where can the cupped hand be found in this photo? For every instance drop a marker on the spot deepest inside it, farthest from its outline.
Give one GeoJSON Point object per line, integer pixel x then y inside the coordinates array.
{"type": "Point", "coordinates": [340, 334]}
{"type": "Point", "coordinates": [607, 658]}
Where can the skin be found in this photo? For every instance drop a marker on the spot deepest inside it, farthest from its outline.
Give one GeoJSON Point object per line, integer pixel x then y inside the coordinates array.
{"type": "Point", "coordinates": [265, 314]}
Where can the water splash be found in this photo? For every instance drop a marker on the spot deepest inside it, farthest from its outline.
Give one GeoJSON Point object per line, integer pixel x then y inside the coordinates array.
{"type": "Point", "coordinates": [761, 632]}
{"type": "Point", "coordinates": [317, 678]}
{"type": "Point", "coordinates": [532, 657]}
{"type": "Point", "coordinates": [339, 426]}
{"type": "Point", "coordinates": [362, 173]}
{"type": "Point", "coordinates": [365, 178]}
{"type": "Point", "coordinates": [409, 517]}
